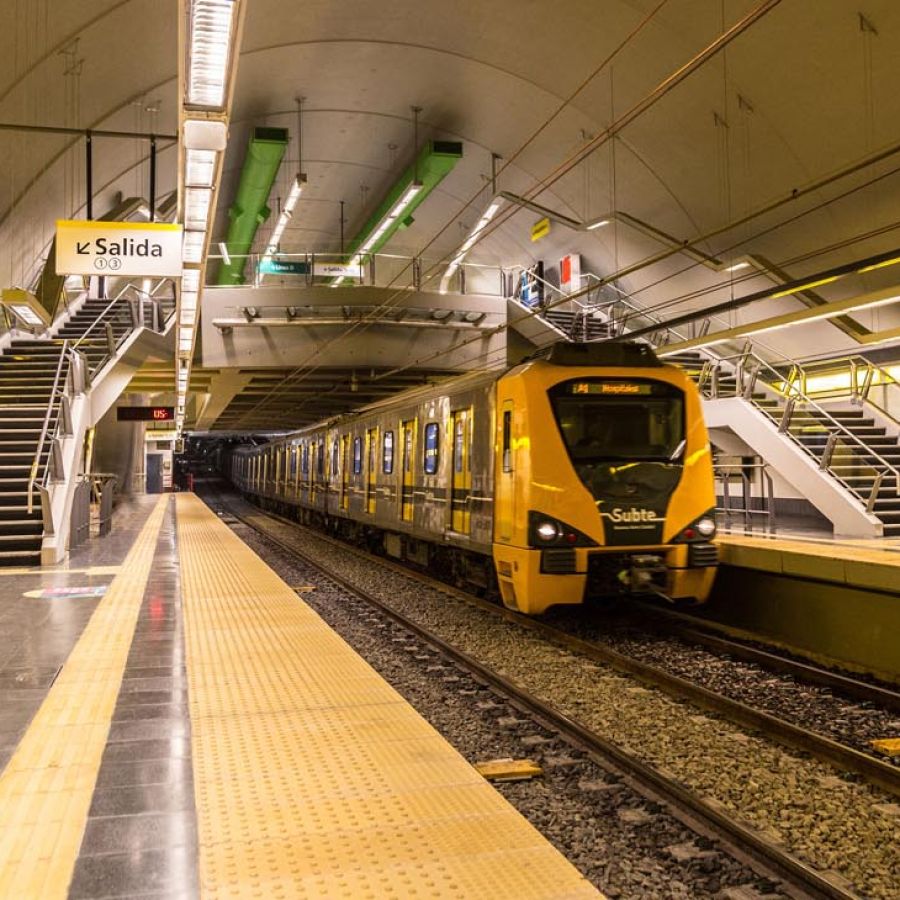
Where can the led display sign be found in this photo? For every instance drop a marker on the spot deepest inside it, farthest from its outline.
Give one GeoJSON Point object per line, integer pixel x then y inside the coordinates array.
{"type": "Point", "coordinates": [145, 413]}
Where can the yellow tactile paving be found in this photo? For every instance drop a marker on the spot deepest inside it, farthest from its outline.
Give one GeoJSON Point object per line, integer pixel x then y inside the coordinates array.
{"type": "Point", "coordinates": [312, 776]}
{"type": "Point", "coordinates": [46, 788]}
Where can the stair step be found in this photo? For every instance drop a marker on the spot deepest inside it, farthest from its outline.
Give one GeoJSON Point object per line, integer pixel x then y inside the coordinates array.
{"type": "Point", "coordinates": [19, 557]}
{"type": "Point", "coordinates": [23, 527]}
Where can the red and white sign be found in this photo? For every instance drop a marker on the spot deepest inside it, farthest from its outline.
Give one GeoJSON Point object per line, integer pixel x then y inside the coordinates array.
{"type": "Point", "coordinates": [570, 273]}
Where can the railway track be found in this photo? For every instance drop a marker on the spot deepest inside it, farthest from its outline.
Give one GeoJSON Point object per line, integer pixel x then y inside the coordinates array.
{"type": "Point", "coordinates": [877, 772]}
{"type": "Point", "coordinates": [699, 813]}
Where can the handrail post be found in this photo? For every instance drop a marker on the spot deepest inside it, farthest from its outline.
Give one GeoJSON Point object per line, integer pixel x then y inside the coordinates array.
{"type": "Point", "coordinates": [785, 423]}
{"type": "Point", "coordinates": [873, 494]}
{"type": "Point", "coordinates": [828, 452]}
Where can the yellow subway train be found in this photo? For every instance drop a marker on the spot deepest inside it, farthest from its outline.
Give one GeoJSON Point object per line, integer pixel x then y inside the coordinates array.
{"type": "Point", "coordinates": [583, 472]}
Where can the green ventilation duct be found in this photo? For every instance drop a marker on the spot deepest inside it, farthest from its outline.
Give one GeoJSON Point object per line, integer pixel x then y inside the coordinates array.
{"type": "Point", "coordinates": [249, 210]}
{"type": "Point", "coordinates": [436, 160]}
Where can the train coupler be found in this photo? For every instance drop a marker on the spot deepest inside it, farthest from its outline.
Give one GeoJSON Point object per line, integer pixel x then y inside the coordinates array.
{"type": "Point", "coordinates": [646, 574]}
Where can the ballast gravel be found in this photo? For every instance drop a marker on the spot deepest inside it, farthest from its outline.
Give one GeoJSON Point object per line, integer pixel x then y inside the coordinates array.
{"type": "Point", "coordinates": [853, 723]}
{"type": "Point", "coordinates": [627, 846]}
{"type": "Point", "coordinates": [832, 822]}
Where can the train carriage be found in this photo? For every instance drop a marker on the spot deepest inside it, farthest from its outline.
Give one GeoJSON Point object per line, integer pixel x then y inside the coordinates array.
{"type": "Point", "coordinates": [585, 471]}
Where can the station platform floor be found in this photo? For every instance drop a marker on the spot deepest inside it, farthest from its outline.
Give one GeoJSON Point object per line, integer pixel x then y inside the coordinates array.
{"type": "Point", "coordinates": [870, 563]}
{"type": "Point", "coordinates": [175, 722]}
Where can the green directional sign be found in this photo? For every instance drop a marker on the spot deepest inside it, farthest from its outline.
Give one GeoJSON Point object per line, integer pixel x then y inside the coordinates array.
{"type": "Point", "coordinates": [268, 266]}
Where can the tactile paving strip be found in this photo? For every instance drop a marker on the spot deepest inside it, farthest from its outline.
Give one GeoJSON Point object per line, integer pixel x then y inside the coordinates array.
{"type": "Point", "coordinates": [46, 788]}
{"type": "Point", "coordinates": [313, 776]}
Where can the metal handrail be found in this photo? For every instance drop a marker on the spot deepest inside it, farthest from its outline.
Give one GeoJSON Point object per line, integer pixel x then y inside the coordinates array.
{"type": "Point", "coordinates": [798, 394]}
{"type": "Point", "coordinates": [725, 471]}
{"type": "Point", "coordinates": [36, 462]}
{"type": "Point", "coordinates": [101, 318]}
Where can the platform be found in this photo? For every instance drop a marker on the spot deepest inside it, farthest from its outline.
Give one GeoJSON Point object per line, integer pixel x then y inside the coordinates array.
{"type": "Point", "coordinates": [192, 728]}
{"type": "Point", "coordinates": [833, 600]}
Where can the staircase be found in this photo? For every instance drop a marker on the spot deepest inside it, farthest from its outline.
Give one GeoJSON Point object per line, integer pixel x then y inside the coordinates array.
{"type": "Point", "coordinates": [28, 372]}
{"type": "Point", "coordinates": [847, 444]}
{"type": "Point", "coordinates": [37, 374]}
{"type": "Point", "coordinates": [576, 325]}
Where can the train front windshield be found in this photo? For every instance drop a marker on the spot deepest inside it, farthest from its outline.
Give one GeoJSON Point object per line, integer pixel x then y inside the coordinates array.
{"type": "Point", "coordinates": [617, 420]}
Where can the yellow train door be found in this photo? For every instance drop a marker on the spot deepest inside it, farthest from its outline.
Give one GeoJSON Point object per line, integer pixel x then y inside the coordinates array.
{"type": "Point", "coordinates": [345, 471]}
{"type": "Point", "coordinates": [408, 447]}
{"type": "Point", "coordinates": [505, 510]}
{"type": "Point", "coordinates": [371, 474]}
{"type": "Point", "coordinates": [460, 515]}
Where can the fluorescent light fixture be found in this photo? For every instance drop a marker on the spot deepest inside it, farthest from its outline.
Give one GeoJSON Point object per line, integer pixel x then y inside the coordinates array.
{"type": "Point", "coordinates": [394, 214]}
{"type": "Point", "coordinates": [598, 224]}
{"type": "Point", "coordinates": [199, 168]}
{"type": "Point", "coordinates": [188, 317]}
{"type": "Point", "coordinates": [287, 213]}
{"type": "Point", "coordinates": [190, 280]}
{"type": "Point", "coordinates": [196, 208]}
{"type": "Point", "coordinates": [226, 256]}
{"type": "Point", "coordinates": [738, 266]}
{"type": "Point", "coordinates": [805, 287]}
{"type": "Point", "coordinates": [25, 313]}
{"type": "Point", "coordinates": [192, 248]}
{"type": "Point", "coordinates": [293, 195]}
{"type": "Point", "coordinates": [185, 342]}
{"type": "Point", "coordinates": [212, 22]}
{"type": "Point", "coordinates": [457, 260]}
{"type": "Point", "coordinates": [777, 323]}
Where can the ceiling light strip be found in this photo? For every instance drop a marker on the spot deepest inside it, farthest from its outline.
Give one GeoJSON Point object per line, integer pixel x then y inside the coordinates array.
{"type": "Point", "coordinates": [210, 60]}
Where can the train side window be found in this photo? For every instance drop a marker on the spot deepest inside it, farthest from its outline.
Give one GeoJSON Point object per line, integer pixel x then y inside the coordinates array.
{"type": "Point", "coordinates": [320, 459]}
{"type": "Point", "coordinates": [387, 453]}
{"type": "Point", "coordinates": [357, 456]}
{"type": "Point", "coordinates": [432, 447]}
{"type": "Point", "coordinates": [335, 456]}
{"type": "Point", "coordinates": [305, 462]}
{"type": "Point", "coordinates": [507, 440]}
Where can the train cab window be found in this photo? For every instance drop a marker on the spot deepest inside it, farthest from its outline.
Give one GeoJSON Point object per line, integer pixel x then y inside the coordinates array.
{"type": "Point", "coordinates": [357, 456]}
{"type": "Point", "coordinates": [387, 453]}
{"type": "Point", "coordinates": [507, 440]}
{"type": "Point", "coordinates": [336, 456]}
{"type": "Point", "coordinates": [607, 420]}
{"type": "Point", "coordinates": [432, 447]}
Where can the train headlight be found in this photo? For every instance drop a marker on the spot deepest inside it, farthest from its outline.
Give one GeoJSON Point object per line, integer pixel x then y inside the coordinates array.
{"type": "Point", "coordinates": [701, 529]}
{"type": "Point", "coordinates": [548, 531]}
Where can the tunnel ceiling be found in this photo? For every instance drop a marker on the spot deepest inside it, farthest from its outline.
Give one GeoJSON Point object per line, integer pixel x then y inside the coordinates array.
{"type": "Point", "coordinates": [801, 96]}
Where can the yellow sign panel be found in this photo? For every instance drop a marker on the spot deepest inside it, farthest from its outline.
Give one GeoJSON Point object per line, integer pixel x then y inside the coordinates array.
{"type": "Point", "coordinates": [118, 248]}
{"type": "Point", "coordinates": [540, 229]}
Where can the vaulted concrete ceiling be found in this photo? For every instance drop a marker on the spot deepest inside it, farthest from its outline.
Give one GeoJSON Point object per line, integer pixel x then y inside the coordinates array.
{"type": "Point", "coordinates": [805, 92]}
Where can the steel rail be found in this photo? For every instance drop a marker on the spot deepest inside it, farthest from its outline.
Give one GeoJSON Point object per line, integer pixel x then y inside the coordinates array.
{"type": "Point", "coordinates": [689, 627]}
{"type": "Point", "coordinates": [740, 839]}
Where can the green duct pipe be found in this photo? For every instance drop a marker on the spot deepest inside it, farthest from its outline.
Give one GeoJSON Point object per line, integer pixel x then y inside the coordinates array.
{"type": "Point", "coordinates": [436, 160]}
{"type": "Point", "coordinates": [249, 210]}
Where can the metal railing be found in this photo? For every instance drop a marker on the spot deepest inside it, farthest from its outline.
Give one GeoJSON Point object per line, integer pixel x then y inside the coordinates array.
{"type": "Point", "coordinates": [747, 368]}
{"type": "Point", "coordinates": [102, 326]}
{"type": "Point", "coordinates": [725, 472]}
{"type": "Point", "coordinates": [57, 395]}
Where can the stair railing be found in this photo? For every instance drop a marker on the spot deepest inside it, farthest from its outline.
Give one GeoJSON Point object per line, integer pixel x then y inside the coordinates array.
{"type": "Point", "coordinates": [56, 394]}
{"type": "Point", "coordinates": [102, 326]}
{"type": "Point", "coordinates": [794, 393]}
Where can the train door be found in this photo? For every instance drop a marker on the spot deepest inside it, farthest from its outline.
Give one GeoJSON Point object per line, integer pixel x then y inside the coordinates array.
{"type": "Point", "coordinates": [345, 471]}
{"type": "Point", "coordinates": [371, 473]}
{"type": "Point", "coordinates": [408, 436]}
{"type": "Point", "coordinates": [506, 489]}
{"type": "Point", "coordinates": [461, 476]}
